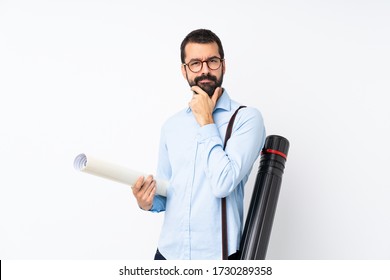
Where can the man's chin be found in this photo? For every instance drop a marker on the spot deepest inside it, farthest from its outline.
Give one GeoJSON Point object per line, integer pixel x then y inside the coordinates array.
{"type": "Point", "coordinates": [210, 92]}
{"type": "Point", "coordinates": [208, 89]}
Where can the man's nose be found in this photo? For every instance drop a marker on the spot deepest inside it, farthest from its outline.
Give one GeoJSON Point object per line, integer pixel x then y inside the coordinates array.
{"type": "Point", "coordinates": [205, 68]}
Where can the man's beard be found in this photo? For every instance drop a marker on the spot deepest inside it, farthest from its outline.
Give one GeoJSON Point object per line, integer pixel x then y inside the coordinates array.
{"type": "Point", "coordinates": [209, 88]}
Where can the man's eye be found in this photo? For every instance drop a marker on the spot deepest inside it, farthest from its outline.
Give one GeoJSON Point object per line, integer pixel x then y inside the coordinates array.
{"type": "Point", "coordinates": [195, 63]}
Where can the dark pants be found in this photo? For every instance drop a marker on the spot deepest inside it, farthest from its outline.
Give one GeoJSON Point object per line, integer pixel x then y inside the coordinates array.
{"type": "Point", "coordinates": [159, 256]}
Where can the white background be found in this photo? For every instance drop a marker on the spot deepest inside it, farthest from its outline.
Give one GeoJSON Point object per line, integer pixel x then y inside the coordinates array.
{"type": "Point", "coordinates": [100, 77]}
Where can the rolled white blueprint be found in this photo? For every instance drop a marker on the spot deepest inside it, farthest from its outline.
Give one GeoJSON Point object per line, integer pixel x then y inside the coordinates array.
{"type": "Point", "coordinates": [114, 172]}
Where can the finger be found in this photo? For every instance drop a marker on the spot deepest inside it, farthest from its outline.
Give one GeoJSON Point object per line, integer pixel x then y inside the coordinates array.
{"type": "Point", "coordinates": [153, 192]}
{"type": "Point", "coordinates": [148, 190]}
{"type": "Point", "coordinates": [195, 89]}
{"type": "Point", "coordinates": [148, 180]}
{"type": "Point", "coordinates": [138, 184]}
{"type": "Point", "coordinates": [151, 195]}
{"type": "Point", "coordinates": [198, 90]}
{"type": "Point", "coordinates": [216, 95]}
{"type": "Point", "coordinates": [220, 91]}
{"type": "Point", "coordinates": [146, 186]}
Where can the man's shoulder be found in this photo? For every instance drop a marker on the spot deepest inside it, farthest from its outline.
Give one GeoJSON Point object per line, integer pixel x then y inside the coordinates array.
{"type": "Point", "coordinates": [248, 112]}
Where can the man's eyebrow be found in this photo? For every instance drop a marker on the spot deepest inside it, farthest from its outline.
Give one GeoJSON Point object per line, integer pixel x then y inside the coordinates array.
{"type": "Point", "coordinates": [198, 59]}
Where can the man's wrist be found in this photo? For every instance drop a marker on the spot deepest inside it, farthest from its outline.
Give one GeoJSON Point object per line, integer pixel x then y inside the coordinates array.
{"type": "Point", "coordinates": [207, 121]}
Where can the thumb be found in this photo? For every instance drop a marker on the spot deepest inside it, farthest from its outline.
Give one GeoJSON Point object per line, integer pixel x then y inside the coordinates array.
{"type": "Point", "coordinates": [216, 95]}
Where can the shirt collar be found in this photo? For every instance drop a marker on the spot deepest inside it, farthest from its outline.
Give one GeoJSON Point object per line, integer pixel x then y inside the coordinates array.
{"type": "Point", "coordinates": [223, 102]}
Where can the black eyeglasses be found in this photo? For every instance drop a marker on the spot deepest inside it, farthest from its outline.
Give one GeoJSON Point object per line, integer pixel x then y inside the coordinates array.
{"type": "Point", "coordinates": [196, 65]}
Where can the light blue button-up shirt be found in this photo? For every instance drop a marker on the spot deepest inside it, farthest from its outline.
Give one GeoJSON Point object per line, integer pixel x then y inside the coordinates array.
{"type": "Point", "coordinates": [200, 173]}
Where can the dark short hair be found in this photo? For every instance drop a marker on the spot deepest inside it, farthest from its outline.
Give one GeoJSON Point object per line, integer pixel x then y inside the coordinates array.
{"type": "Point", "coordinates": [201, 36]}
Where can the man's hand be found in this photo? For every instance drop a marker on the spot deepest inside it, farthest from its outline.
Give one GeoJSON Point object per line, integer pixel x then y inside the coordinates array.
{"type": "Point", "coordinates": [144, 191]}
{"type": "Point", "coordinates": [202, 105]}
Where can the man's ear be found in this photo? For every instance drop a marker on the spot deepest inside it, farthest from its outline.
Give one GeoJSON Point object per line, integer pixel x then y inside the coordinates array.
{"type": "Point", "coordinates": [183, 71]}
{"type": "Point", "coordinates": [223, 67]}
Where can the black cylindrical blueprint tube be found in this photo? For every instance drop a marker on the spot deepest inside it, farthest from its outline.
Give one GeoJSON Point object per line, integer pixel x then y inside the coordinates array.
{"type": "Point", "coordinates": [261, 212]}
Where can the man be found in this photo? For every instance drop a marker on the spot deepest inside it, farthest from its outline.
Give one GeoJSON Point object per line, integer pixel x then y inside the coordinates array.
{"type": "Point", "coordinates": [191, 157]}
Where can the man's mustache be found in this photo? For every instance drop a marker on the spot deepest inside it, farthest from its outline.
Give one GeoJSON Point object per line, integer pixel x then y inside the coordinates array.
{"type": "Point", "coordinates": [205, 77]}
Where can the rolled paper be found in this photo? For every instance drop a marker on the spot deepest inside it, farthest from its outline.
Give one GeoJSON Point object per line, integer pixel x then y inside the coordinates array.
{"type": "Point", "coordinates": [114, 172]}
{"type": "Point", "coordinates": [260, 217]}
